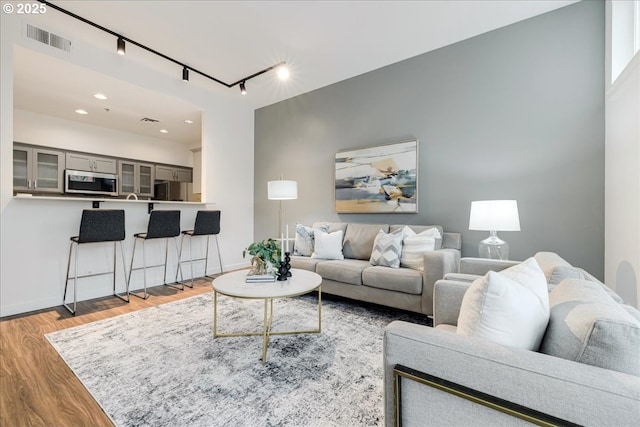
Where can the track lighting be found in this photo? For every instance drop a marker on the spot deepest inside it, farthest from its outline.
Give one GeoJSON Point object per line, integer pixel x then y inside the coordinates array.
{"type": "Point", "coordinates": [121, 46]}
{"type": "Point", "coordinates": [283, 72]}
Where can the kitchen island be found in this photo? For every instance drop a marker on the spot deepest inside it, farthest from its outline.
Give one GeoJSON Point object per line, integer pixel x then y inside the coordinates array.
{"type": "Point", "coordinates": [41, 248]}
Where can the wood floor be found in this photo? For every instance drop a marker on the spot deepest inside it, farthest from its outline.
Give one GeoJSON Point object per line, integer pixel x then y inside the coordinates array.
{"type": "Point", "coordinates": [36, 386]}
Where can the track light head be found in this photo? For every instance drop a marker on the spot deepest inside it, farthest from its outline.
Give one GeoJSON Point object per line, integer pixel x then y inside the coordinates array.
{"type": "Point", "coordinates": [121, 46]}
{"type": "Point", "coordinates": [185, 74]}
{"type": "Point", "coordinates": [283, 72]}
{"type": "Point", "coordinates": [243, 89]}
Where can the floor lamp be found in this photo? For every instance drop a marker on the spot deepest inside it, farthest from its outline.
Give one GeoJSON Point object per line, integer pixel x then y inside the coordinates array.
{"type": "Point", "coordinates": [282, 190]}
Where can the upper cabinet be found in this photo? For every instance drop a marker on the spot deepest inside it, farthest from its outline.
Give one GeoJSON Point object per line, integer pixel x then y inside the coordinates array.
{"type": "Point", "coordinates": [84, 162]}
{"type": "Point", "coordinates": [136, 177]}
{"type": "Point", "coordinates": [37, 169]}
{"type": "Point", "coordinates": [171, 173]}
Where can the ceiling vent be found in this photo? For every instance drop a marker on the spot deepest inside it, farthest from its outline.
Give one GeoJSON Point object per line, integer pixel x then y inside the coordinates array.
{"type": "Point", "coordinates": [147, 119]}
{"type": "Point", "coordinates": [43, 36]}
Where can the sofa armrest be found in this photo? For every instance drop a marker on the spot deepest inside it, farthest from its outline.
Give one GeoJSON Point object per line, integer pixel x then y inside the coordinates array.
{"type": "Point", "coordinates": [436, 265]}
{"type": "Point", "coordinates": [481, 266]}
{"type": "Point", "coordinates": [447, 299]}
{"type": "Point", "coordinates": [575, 392]}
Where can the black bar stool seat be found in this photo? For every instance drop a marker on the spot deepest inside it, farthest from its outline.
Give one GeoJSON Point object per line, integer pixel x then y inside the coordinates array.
{"type": "Point", "coordinates": [162, 225]}
{"type": "Point", "coordinates": [207, 224]}
{"type": "Point", "coordinates": [96, 226]}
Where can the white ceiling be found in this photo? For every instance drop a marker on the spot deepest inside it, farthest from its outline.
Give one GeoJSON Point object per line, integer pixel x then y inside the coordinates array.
{"type": "Point", "coordinates": [323, 42]}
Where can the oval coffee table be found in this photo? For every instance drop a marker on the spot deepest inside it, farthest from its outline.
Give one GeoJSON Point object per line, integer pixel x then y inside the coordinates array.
{"type": "Point", "coordinates": [234, 285]}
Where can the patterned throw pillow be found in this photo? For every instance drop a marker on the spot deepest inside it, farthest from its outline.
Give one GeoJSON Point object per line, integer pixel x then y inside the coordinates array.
{"type": "Point", "coordinates": [415, 245]}
{"type": "Point", "coordinates": [305, 239]}
{"type": "Point", "coordinates": [387, 249]}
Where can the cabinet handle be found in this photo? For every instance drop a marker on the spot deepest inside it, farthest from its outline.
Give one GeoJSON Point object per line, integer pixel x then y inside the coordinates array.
{"type": "Point", "coordinates": [35, 183]}
{"type": "Point", "coordinates": [29, 183]}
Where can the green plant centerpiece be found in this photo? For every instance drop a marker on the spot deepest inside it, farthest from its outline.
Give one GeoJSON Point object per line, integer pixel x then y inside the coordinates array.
{"type": "Point", "coordinates": [266, 255]}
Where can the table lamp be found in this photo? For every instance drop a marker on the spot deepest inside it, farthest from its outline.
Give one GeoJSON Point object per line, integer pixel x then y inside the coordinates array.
{"type": "Point", "coordinates": [282, 190]}
{"type": "Point", "coordinates": [494, 216]}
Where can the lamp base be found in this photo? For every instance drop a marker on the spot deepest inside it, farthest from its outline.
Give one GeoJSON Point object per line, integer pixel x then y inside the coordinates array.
{"type": "Point", "coordinates": [493, 247]}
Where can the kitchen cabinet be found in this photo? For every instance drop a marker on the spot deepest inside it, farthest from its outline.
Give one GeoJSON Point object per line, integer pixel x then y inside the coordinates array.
{"type": "Point", "coordinates": [37, 169]}
{"type": "Point", "coordinates": [171, 173]}
{"type": "Point", "coordinates": [84, 162]}
{"type": "Point", "coordinates": [136, 177]}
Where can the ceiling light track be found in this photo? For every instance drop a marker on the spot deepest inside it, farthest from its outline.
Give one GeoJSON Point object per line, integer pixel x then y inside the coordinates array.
{"type": "Point", "coordinates": [185, 68]}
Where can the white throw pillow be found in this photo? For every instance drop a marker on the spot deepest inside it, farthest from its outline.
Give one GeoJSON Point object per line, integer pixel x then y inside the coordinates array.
{"type": "Point", "coordinates": [305, 239]}
{"type": "Point", "coordinates": [327, 245]}
{"type": "Point", "coordinates": [510, 308]}
{"type": "Point", "coordinates": [386, 249]}
{"type": "Point", "coordinates": [415, 245]}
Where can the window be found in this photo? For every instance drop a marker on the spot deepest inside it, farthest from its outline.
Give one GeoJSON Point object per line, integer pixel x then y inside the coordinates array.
{"type": "Point", "coordinates": [625, 34]}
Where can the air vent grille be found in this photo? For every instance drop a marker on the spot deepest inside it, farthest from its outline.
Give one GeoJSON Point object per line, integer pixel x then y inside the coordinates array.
{"type": "Point", "coordinates": [43, 36]}
{"type": "Point", "coordinates": [147, 119]}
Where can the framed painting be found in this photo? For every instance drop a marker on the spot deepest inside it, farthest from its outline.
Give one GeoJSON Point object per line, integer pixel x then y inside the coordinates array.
{"type": "Point", "coordinates": [381, 179]}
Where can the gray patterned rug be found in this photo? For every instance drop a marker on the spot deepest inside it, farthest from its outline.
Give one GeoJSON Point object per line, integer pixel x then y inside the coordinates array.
{"type": "Point", "coordinates": [162, 367]}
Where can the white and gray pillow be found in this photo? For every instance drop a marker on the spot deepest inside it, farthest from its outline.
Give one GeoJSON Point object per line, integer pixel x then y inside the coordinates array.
{"type": "Point", "coordinates": [304, 242]}
{"type": "Point", "coordinates": [387, 248]}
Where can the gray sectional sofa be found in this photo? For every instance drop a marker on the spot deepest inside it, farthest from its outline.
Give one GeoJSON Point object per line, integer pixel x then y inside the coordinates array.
{"type": "Point", "coordinates": [586, 371]}
{"type": "Point", "coordinates": [354, 277]}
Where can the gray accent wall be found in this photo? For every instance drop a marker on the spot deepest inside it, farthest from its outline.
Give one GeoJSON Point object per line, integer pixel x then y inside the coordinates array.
{"type": "Point", "coordinates": [515, 113]}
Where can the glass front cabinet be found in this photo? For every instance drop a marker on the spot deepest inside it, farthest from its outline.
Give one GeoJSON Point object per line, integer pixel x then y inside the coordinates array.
{"type": "Point", "coordinates": [136, 178]}
{"type": "Point", "coordinates": [37, 169]}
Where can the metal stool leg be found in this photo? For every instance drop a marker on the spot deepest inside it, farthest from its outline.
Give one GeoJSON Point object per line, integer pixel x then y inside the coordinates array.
{"type": "Point", "coordinates": [219, 256]}
{"type": "Point", "coordinates": [166, 257]}
{"type": "Point", "coordinates": [66, 283]}
{"type": "Point", "coordinates": [131, 269]}
{"type": "Point", "coordinates": [124, 272]}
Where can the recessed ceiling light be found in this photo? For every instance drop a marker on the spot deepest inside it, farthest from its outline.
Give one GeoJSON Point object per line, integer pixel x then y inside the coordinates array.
{"type": "Point", "coordinates": [189, 122]}
{"type": "Point", "coordinates": [81, 112]}
{"type": "Point", "coordinates": [283, 72]}
{"type": "Point", "coordinates": [164, 131]}
{"type": "Point", "coordinates": [99, 96]}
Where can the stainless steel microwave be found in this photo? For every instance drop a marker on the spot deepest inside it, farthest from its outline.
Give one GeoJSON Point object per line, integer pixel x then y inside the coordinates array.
{"type": "Point", "coordinates": [83, 182]}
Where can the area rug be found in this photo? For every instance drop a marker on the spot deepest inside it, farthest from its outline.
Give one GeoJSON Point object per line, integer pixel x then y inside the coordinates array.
{"type": "Point", "coordinates": [162, 367]}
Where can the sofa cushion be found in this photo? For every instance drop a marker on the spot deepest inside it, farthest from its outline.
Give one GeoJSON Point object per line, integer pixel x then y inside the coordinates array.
{"type": "Point", "coordinates": [305, 239]}
{"type": "Point", "coordinates": [561, 272]}
{"type": "Point", "coordinates": [327, 245]}
{"type": "Point", "coordinates": [419, 229]}
{"type": "Point", "coordinates": [510, 307]}
{"type": "Point", "coordinates": [415, 245]}
{"type": "Point", "coordinates": [358, 239]}
{"type": "Point", "coordinates": [402, 280]}
{"type": "Point", "coordinates": [347, 270]}
{"type": "Point", "coordinates": [548, 261]}
{"type": "Point", "coordinates": [587, 326]}
{"type": "Point", "coordinates": [387, 248]}
{"type": "Point", "coordinates": [304, 262]}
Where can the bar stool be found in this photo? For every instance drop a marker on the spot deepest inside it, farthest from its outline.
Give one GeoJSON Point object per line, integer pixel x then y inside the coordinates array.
{"type": "Point", "coordinates": [207, 224]}
{"type": "Point", "coordinates": [162, 225]}
{"type": "Point", "coordinates": [96, 226]}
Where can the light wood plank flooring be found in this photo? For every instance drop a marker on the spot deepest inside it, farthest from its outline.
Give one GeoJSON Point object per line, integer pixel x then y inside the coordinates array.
{"type": "Point", "coordinates": [36, 386]}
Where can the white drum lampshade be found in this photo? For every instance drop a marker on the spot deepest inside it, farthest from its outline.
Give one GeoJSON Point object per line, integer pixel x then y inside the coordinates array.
{"type": "Point", "coordinates": [494, 216]}
{"type": "Point", "coordinates": [282, 190]}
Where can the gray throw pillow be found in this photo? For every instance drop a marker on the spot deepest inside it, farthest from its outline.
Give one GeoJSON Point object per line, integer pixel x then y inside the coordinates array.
{"type": "Point", "coordinates": [587, 326]}
{"type": "Point", "coordinates": [387, 248]}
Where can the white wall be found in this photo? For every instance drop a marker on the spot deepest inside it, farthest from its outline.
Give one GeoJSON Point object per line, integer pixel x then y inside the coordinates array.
{"type": "Point", "coordinates": [32, 257]}
{"type": "Point", "coordinates": [622, 174]}
{"type": "Point", "coordinates": [39, 129]}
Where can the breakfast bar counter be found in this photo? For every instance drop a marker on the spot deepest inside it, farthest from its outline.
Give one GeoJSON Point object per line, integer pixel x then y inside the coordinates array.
{"type": "Point", "coordinates": [40, 249]}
